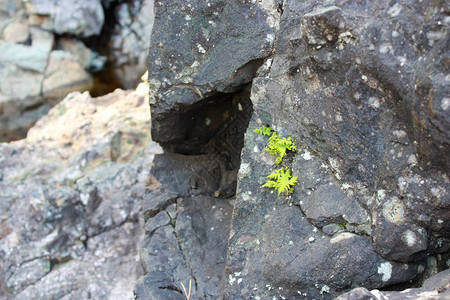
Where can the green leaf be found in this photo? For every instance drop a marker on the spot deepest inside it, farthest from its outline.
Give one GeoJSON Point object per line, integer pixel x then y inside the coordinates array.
{"type": "Point", "coordinates": [278, 146]}
{"type": "Point", "coordinates": [282, 180]}
{"type": "Point", "coordinates": [270, 184]}
{"type": "Point", "coordinates": [263, 130]}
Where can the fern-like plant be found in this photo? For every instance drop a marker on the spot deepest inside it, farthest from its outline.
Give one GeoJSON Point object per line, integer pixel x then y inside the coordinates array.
{"type": "Point", "coordinates": [263, 130]}
{"type": "Point", "coordinates": [278, 146]}
{"type": "Point", "coordinates": [282, 180]}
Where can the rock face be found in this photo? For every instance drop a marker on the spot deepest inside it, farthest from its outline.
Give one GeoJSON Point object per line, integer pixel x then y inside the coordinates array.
{"type": "Point", "coordinates": [70, 201]}
{"type": "Point", "coordinates": [127, 49]}
{"type": "Point", "coordinates": [364, 96]}
{"type": "Point", "coordinates": [436, 287]}
{"type": "Point", "coordinates": [51, 48]}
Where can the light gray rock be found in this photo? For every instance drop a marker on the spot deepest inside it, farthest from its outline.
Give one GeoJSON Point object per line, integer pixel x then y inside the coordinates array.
{"type": "Point", "coordinates": [434, 288]}
{"type": "Point", "coordinates": [82, 18]}
{"type": "Point", "coordinates": [64, 74]}
{"type": "Point", "coordinates": [70, 221]}
{"type": "Point", "coordinates": [130, 40]}
{"type": "Point", "coordinates": [16, 33]}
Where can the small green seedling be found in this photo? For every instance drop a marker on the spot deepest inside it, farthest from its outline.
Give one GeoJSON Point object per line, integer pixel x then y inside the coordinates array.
{"type": "Point", "coordinates": [282, 180]}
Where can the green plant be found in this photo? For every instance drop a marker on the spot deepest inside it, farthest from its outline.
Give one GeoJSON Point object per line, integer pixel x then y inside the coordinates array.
{"type": "Point", "coordinates": [263, 130]}
{"type": "Point", "coordinates": [278, 146]}
{"type": "Point", "coordinates": [282, 180]}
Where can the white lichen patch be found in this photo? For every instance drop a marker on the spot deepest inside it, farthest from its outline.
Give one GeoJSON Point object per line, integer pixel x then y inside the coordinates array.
{"type": "Point", "coordinates": [395, 10]}
{"type": "Point", "coordinates": [231, 279]}
{"type": "Point", "coordinates": [400, 134]}
{"type": "Point", "coordinates": [325, 289]}
{"type": "Point", "coordinates": [245, 197]}
{"type": "Point", "coordinates": [374, 102]}
{"type": "Point", "coordinates": [385, 269]}
{"type": "Point", "coordinates": [207, 121]}
{"type": "Point", "coordinates": [386, 48]}
{"type": "Point", "coordinates": [412, 160]}
{"type": "Point", "coordinates": [381, 194]}
{"type": "Point", "coordinates": [345, 37]}
{"type": "Point", "coordinates": [201, 49]}
{"type": "Point", "coordinates": [346, 186]}
{"type": "Point", "coordinates": [270, 38]}
{"type": "Point", "coordinates": [409, 237]}
{"type": "Point", "coordinates": [306, 155]}
{"type": "Point", "coordinates": [244, 170]}
{"type": "Point", "coordinates": [394, 210]}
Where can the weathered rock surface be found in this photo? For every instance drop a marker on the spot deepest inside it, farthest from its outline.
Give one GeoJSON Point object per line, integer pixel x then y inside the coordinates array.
{"type": "Point", "coordinates": [129, 44]}
{"type": "Point", "coordinates": [436, 287]}
{"type": "Point", "coordinates": [83, 18]}
{"type": "Point", "coordinates": [70, 206]}
{"type": "Point", "coordinates": [191, 64]}
{"type": "Point", "coordinates": [372, 130]}
{"type": "Point", "coordinates": [365, 97]}
{"type": "Point", "coordinates": [199, 95]}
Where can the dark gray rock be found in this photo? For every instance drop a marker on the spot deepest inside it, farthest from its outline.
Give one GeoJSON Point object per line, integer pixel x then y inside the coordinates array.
{"type": "Point", "coordinates": [357, 294]}
{"type": "Point", "coordinates": [361, 88]}
{"type": "Point", "coordinates": [187, 231]}
{"type": "Point", "coordinates": [353, 89]}
{"type": "Point", "coordinates": [434, 288]}
{"type": "Point", "coordinates": [200, 104]}
{"type": "Point", "coordinates": [191, 65]}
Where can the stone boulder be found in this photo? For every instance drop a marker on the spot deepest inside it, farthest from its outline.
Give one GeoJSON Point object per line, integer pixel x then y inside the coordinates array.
{"type": "Point", "coordinates": [434, 288]}
{"type": "Point", "coordinates": [70, 206]}
{"type": "Point", "coordinates": [364, 97]}
{"type": "Point", "coordinates": [82, 18]}
{"type": "Point", "coordinates": [372, 131]}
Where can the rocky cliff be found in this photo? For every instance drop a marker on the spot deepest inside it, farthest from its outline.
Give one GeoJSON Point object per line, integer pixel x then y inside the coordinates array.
{"type": "Point", "coordinates": [70, 200]}
{"type": "Point", "coordinates": [90, 208]}
{"type": "Point", "coordinates": [361, 87]}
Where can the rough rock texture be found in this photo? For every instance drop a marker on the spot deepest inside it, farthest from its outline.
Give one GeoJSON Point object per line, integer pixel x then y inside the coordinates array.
{"type": "Point", "coordinates": [129, 44]}
{"type": "Point", "coordinates": [362, 88]}
{"type": "Point", "coordinates": [84, 18]}
{"type": "Point", "coordinates": [50, 48]}
{"type": "Point", "coordinates": [436, 287]}
{"type": "Point", "coordinates": [199, 96]}
{"type": "Point", "coordinates": [70, 201]}
{"type": "Point", "coordinates": [365, 100]}
{"type": "Point", "coordinates": [191, 65]}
